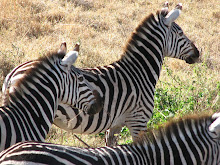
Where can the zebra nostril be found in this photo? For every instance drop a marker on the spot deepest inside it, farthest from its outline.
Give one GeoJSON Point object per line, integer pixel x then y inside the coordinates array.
{"type": "Point", "coordinates": [91, 110]}
{"type": "Point", "coordinates": [189, 60]}
{"type": "Point", "coordinates": [197, 54]}
{"type": "Point", "coordinates": [192, 60]}
{"type": "Point", "coordinates": [195, 57]}
{"type": "Point", "coordinates": [96, 107]}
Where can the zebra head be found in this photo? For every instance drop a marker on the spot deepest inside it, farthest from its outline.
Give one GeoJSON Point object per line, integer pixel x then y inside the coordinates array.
{"type": "Point", "coordinates": [86, 98]}
{"type": "Point", "coordinates": [177, 44]}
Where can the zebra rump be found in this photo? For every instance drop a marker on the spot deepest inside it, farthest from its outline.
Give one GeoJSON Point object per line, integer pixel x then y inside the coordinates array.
{"type": "Point", "coordinates": [190, 141]}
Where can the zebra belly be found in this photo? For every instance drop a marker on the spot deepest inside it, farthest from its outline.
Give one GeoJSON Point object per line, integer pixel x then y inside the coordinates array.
{"type": "Point", "coordinates": [71, 119]}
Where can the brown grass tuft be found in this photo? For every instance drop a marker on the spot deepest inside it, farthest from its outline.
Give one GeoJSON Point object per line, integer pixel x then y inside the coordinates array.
{"type": "Point", "coordinates": [216, 14]}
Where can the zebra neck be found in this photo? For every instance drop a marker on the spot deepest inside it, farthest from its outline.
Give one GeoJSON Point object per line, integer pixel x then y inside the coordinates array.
{"type": "Point", "coordinates": [188, 130]}
{"type": "Point", "coordinates": [143, 64]}
{"type": "Point", "coordinates": [144, 51]}
{"type": "Point", "coordinates": [36, 97]}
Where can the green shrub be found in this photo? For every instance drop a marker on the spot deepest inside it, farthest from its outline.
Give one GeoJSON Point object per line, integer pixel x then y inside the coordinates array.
{"type": "Point", "coordinates": [180, 96]}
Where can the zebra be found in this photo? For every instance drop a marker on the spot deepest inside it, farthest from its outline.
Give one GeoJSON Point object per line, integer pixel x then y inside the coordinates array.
{"type": "Point", "coordinates": [86, 92]}
{"type": "Point", "coordinates": [193, 140]}
{"type": "Point", "coordinates": [33, 100]}
{"type": "Point", "coordinates": [127, 85]}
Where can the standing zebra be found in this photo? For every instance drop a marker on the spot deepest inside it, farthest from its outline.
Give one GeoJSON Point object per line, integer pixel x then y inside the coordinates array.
{"type": "Point", "coordinates": [127, 86]}
{"type": "Point", "coordinates": [190, 141]}
{"type": "Point", "coordinates": [33, 100]}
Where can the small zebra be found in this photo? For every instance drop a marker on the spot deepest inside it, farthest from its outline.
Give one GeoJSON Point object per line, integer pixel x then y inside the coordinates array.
{"type": "Point", "coordinates": [33, 100]}
{"type": "Point", "coordinates": [190, 141]}
{"type": "Point", "coordinates": [127, 86]}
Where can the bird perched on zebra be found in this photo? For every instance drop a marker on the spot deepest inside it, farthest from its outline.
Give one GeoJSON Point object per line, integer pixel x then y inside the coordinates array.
{"type": "Point", "coordinates": [127, 86]}
{"type": "Point", "coordinates": [33, 100]}
{"type": "Point", "coordinates": [192, 140]}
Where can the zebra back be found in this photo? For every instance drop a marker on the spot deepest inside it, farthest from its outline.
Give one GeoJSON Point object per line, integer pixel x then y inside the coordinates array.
{"type": "Point", "coordinates": [192, 141]}
{"type": "Point", "coordinates": [11, 79]}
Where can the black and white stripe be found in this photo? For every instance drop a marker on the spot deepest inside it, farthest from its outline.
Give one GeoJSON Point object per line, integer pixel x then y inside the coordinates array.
{"type": "Point", "coordinates": [33, 100]}
{"type": "Point", "coordinates": [85, 96]}
{"type": "Point", "coordinates": [127, 85]}
{"type": "Point", "coordinates": [190, 141]}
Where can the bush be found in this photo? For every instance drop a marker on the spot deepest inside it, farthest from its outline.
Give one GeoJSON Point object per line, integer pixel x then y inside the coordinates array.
{"type": "Point", "coordinates": [180, 96]}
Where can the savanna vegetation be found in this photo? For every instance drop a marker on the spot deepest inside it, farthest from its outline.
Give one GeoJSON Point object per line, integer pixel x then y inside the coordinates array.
{"type": "Point", "coordinates": [29, 28]}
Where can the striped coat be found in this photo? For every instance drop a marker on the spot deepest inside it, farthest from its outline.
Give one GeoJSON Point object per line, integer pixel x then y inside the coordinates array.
{"type": "Point", "coordinates": [190, 141]}
{"type": "Point", "coordinates": [127, 86]}
{"type": "Point", "coordinates": [33, 101]}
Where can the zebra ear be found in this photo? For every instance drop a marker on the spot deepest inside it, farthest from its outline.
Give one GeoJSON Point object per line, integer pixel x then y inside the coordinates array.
{"type": "Point", "coordinates": [69, 59]}
{"type": "Point", "coordinates": [164, 10]}
{"type": "Point", "coordinates": [215, 126]}
{"type": "Point", "coordinates": [173, 15]}
{"type": "Point", "coordinates": [76, 48]}
{"type": "Point", "coordinates": [63, 48]}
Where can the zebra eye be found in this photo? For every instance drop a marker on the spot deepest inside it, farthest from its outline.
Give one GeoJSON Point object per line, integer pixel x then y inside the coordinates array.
{"type": "Point", "coordinates": [181, 33]}
{"type": "Point", "coordinates": [80, 78]}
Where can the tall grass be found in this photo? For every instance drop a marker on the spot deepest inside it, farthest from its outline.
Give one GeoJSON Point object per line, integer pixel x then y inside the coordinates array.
{"type": "Point", "coordinates": [28, 29]}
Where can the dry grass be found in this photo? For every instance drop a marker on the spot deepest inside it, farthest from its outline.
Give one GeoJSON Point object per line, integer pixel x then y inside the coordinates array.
{"type": "Point", "coordinates": [28, 29]}
{"type": "Point", "coordinates": [102, 27]}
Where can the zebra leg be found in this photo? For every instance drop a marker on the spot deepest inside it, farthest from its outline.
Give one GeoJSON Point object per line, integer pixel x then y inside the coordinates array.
{"type": "Point", "coordinates": [136, 128]}
{"type": "Point", "coordinates": [110, 138]}
{"type": "Point", "coordinates": [136, 122]}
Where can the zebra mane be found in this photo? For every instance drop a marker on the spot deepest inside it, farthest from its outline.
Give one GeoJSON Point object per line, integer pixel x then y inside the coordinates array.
{"type": "Point", "coordinates": [53, 55]}
{"type": "Point", "coordinates": [132, 40]}
{"type": "Point", "coordinates": [133, 37]}
{"type": "Point", "coordinates": [171, 127]}
{"type": "Point", "coordinates": [48, 58]}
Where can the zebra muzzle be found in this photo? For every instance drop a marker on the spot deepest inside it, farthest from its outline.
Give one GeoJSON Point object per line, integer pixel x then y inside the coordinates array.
{"type": "Point", "coordinates": [97, 105]}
